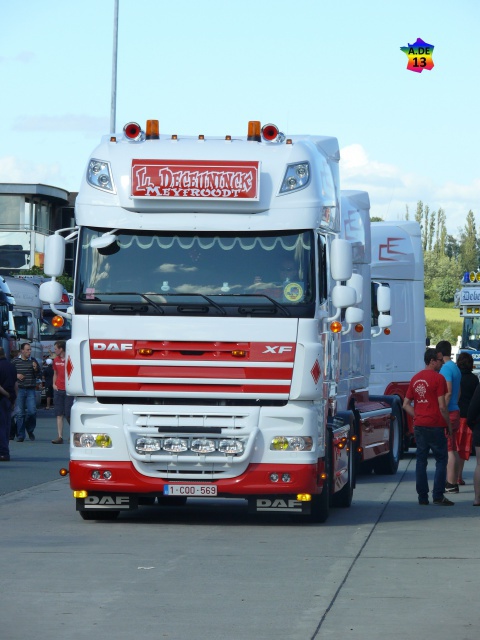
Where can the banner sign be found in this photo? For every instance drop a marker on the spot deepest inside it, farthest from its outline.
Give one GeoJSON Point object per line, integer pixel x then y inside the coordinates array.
{"type": "Point", "coordinates": [196, 179]}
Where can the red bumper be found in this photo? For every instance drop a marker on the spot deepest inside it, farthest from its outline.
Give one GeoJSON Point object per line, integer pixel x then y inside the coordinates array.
{"type": "Point", "coordinates": [255, 481]}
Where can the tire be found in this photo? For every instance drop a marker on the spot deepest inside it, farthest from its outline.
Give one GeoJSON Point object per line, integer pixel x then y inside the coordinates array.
{"type": "Point", "coordinates": [343, 498]}
{"type": "Point", "coordinates": [99, 515]}
{"type": "Point", "coordinates": [320, 506]}
{"type": "Point", "coordinates": [388, 463]}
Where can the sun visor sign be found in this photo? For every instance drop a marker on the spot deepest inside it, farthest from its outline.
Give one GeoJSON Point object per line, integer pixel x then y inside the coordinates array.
{"type": "Point", "coordinates": [196, 179]}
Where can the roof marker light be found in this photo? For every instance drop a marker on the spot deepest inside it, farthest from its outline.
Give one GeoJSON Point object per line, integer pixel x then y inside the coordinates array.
{"type": "Point", "coordinates": [269, 132]}
{"type": "Point", "coordinates": [152, 130]}
{"type": "Point", "coordinates": [254, 127]}
{"type": "Point", "coordinates": [132, 131]}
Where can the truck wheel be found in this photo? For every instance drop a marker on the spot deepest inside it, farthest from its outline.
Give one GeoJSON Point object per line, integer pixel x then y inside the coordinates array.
{"type": "Point", "coordinates": [388, 463]}
{"type": "Point", "coordinates": [99, 515]}
{"type": "Point", "coordinates": [320, 506]}
{"type": "Point", "coordinates": [343, 498]}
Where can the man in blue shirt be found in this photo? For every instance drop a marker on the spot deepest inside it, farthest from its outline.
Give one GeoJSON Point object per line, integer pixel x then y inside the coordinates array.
{"type": "Point", "coordinates": [453, 376]}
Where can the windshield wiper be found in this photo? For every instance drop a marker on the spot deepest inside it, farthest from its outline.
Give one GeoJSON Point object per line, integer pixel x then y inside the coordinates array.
{"type": "Point", "coordinates": [255, 310]}
{"type": "Point", "coordinates": [194, 307]}
{"type": "Point", "coordinates": [132, 306]}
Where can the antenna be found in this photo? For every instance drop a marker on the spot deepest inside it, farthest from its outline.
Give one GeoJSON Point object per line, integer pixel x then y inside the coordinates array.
{"type": "Point", "coordinates": [114, 69]}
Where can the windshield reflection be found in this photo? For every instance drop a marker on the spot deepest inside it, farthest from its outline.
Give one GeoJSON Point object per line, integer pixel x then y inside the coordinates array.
{"type": "Point", "coordinates": [164, 269]}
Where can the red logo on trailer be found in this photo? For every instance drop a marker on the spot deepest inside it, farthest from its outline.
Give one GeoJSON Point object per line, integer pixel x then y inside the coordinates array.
{"type": "Point", "coordinates": [389, 250]}
{"type": "Point", "coordinates": [198, 179]}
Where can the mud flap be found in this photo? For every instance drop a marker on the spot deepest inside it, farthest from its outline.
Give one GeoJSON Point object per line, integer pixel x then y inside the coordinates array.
{"type": "Point", "coordinates": [107, 502]}
{"type": "Point", "coordinates": [278, 504]}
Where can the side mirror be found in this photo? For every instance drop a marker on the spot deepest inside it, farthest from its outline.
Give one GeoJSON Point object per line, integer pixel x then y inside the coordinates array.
{"type": "Point", "coordinates": [343, 297]}
{"type": "Point", "coordinates": [54, 261]}
{"type": "Point", "coordinates": [353, 315]}
{"type": "Point", "coordinates": [341, 259]}
{"type": "Point", "coordinates": [51, 292]}
{"type": "Point", "coordinates": [384, 321]}
{"type": "Point", "coordinates": [383, 299]}
{"type": "Point", "coordinates": [356, 281]}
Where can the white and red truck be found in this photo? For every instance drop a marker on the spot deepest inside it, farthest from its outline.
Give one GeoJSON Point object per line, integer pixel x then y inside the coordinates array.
{"type": "Point", "coordinates": [221, 330]}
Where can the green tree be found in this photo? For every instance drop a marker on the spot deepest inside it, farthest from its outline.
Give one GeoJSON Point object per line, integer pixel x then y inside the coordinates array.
{"type": "Point", "coordinates": [469, 243]}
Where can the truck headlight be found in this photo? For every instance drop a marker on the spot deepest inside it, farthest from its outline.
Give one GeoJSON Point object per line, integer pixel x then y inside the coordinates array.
{"type": "Point", "coordinates": [291, 443]}
{"type": "Point", "coordinates": [99, 175]}
{"type": "Point", "coordinates": [90, 440]}
{"type": "Point", "coordinates": [297, 176]}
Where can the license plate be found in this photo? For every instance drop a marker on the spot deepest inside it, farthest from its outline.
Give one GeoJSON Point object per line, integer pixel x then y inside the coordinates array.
{"type": "Point", "coordinates": [190, 490]}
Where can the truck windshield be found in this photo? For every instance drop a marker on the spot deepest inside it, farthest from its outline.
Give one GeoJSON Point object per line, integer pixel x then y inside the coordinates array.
{"type": "Point", "coordinates": [471, 333]}
{"type": "Point", "coordinates": [270, 273]}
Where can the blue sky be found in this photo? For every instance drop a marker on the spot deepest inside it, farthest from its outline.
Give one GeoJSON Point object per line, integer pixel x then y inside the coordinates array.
{"type": "Point", "coordinates": [208, 67]}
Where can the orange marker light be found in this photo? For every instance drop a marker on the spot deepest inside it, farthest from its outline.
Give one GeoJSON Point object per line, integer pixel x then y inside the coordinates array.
{"type": "Point", "coordinates": [359, 328]}
{"type": "Point", "coordinates": [254, 129]}
{"type": "Point", "coordinates": [145, 352]}
{"type": "Point", "coordinates": [387, 331]}
{"type": "Point", "coordinates": [336, 327]}
{"type": "Point", "coordinates": [152, 130]}
{"type": "Point", "coordinates": [239, 353]}
{"type": "Point", "coordinates": [58, 321]}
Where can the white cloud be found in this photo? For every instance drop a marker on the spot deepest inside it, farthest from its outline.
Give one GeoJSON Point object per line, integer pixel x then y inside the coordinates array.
{"type": "Point", "coordinates": [19, 171]}
{"type": "Point", "coordinates": [22, 56]}
{"type": "Point", "coordinates": [391, 190]}
{"type": "Point", "coordinates": [67, 122]}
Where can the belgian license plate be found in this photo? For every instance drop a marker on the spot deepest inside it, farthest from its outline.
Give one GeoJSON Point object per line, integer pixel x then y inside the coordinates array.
{"type": "Point", "coordinates": [190, 490]}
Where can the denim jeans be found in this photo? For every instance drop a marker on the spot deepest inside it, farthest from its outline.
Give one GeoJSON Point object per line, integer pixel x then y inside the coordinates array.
{"type": "Point", "coordinates": [433, 438]}
{"type": "Point", "coordinates": [5, 413]}
{"type": "Point", "coordinates": [26, 411]}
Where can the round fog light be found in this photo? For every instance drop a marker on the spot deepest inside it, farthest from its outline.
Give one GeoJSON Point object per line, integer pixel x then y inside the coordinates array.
{"type": "Point", "coordinates": [274, 477]}
{"type": "Point", "coordinates": [107, 475]}
{"type": "Point", "coordinates": [96, 474]}
{"type": "Point", "coordinates": [286, 477]}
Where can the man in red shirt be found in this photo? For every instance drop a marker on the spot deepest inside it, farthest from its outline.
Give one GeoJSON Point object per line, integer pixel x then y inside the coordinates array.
{"type": "Point", "coordinates": [61, 402]}
{"type": "Point", "coordinates": [427, 390]}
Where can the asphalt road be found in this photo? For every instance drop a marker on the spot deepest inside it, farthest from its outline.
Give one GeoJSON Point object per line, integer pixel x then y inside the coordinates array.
{"type": "Point", "coordinates": [384, 569]}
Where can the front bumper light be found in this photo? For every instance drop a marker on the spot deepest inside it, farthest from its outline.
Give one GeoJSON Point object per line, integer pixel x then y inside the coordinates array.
{"type": "Point", "coordinates": [148, 445]}
{"type": "Point", "coordinates": [291, 443]}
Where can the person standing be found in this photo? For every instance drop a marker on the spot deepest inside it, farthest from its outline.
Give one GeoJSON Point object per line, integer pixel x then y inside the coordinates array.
{"type": "Point", "coordinates": [452, 375]}
{"type": "Point", "coordinates": [468, 384]}
{"type": "Point", "coordinates": [427, 390]}
{"type": "Point", "coordinates": [26, 408]}
{"type": "Point", "coordinates": [473, 421]}
{"type": "Point", "coordinates": [48, 379]}
{"type": "Point", "coordinates": [8, 392]}
{"type": "Point", "coordinates": [61, 402]}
